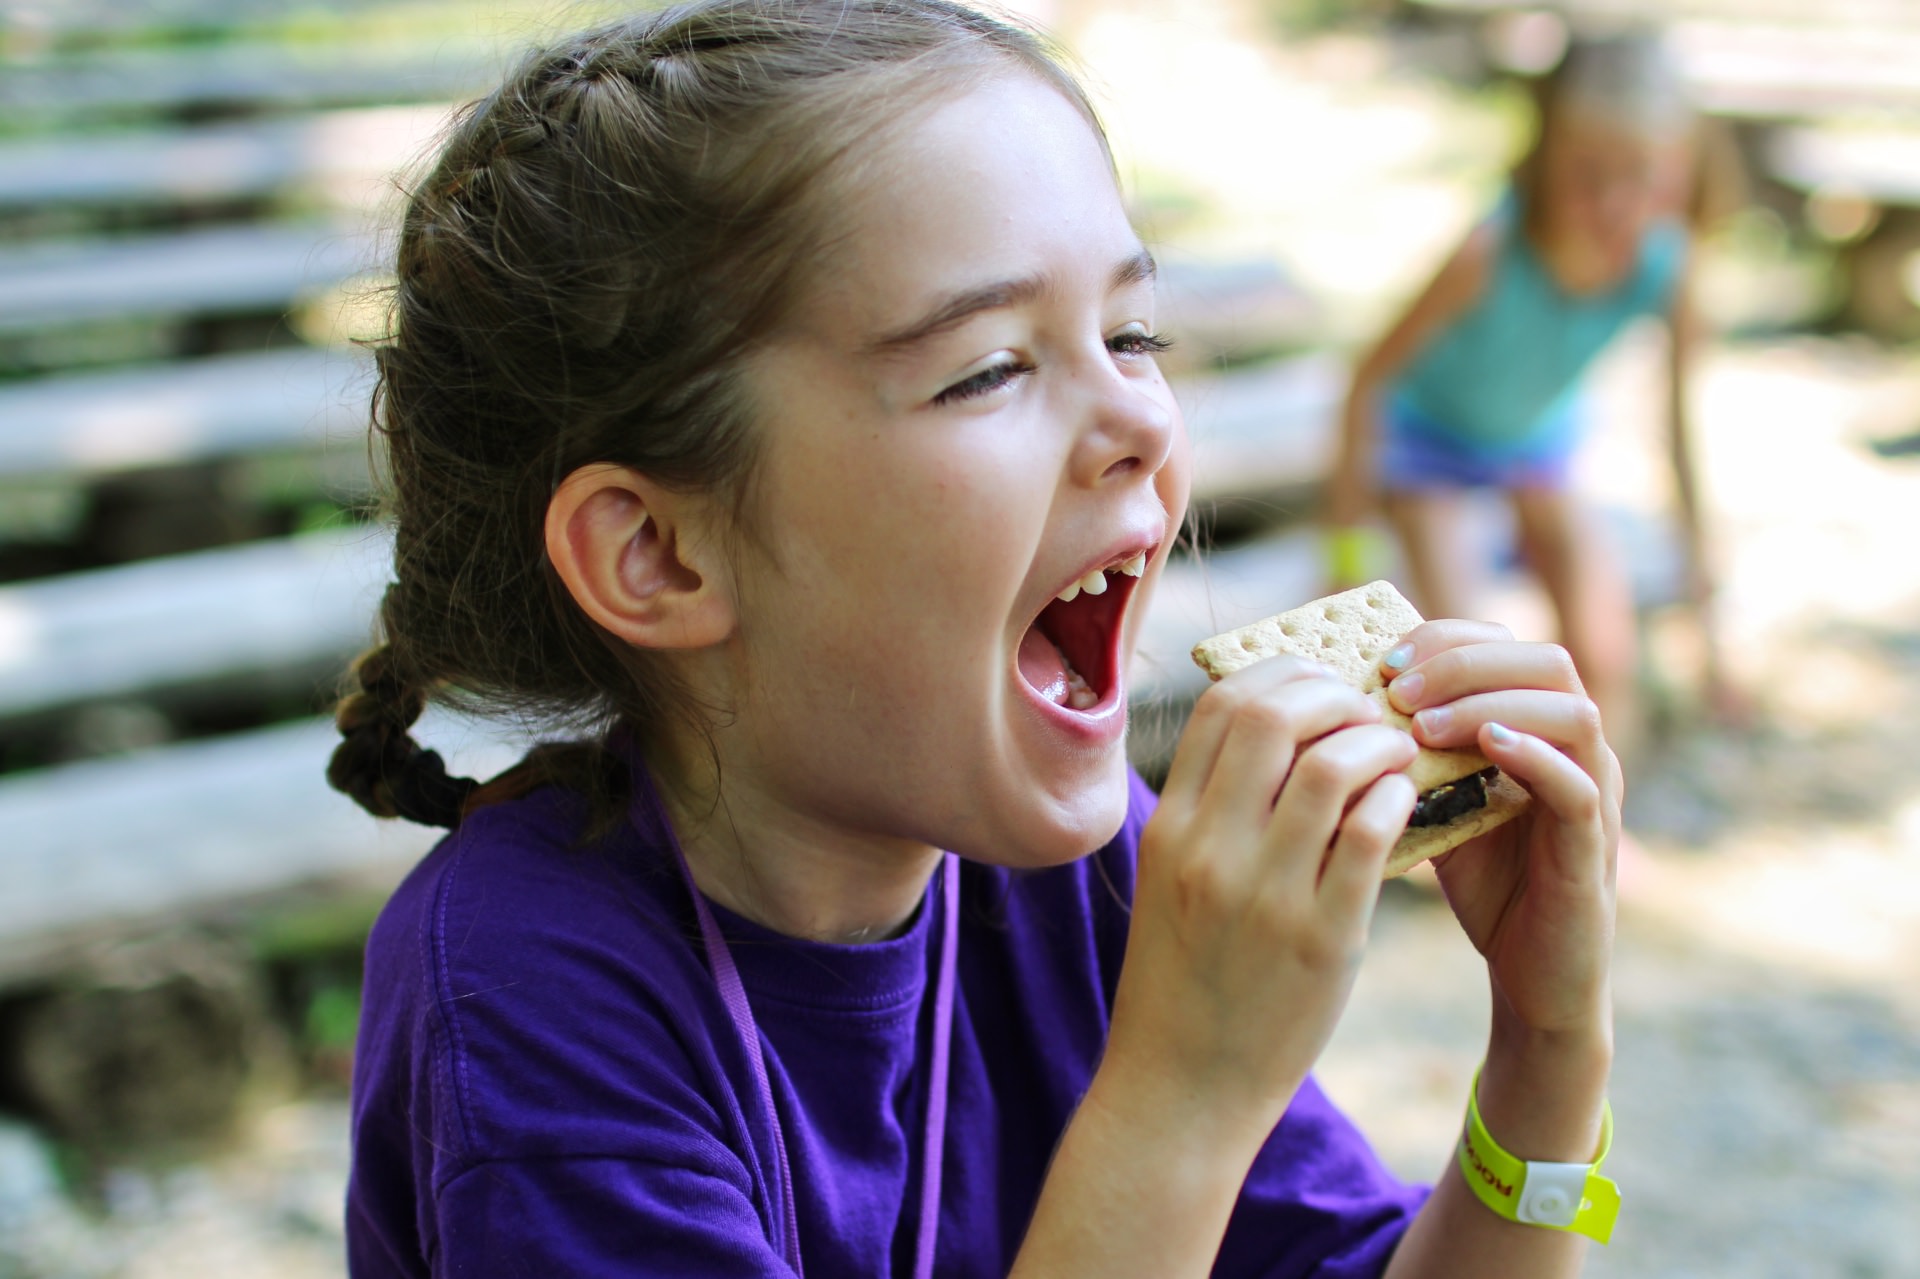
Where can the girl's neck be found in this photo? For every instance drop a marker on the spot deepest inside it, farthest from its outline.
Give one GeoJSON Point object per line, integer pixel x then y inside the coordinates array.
{"type": "Point", "coordinates": [787, 870]}
{"type": "Point", "coordinates": [1571, 264]}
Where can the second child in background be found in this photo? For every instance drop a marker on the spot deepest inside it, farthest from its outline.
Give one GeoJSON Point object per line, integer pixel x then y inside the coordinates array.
{"type": "Point", "coordinates": [1476, 385]}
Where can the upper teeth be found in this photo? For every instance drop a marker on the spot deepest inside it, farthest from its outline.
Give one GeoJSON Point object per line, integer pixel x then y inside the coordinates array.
{"type": "Point", "coordinates": [1095, 582]}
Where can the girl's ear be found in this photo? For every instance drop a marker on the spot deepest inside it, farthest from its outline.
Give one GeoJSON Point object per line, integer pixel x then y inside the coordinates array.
{"type": "Point", "coordinates": [640, 559]}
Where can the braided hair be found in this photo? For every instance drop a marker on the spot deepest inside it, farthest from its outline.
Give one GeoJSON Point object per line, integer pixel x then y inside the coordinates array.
{"type": "Point", "coordinates": [579, 276]}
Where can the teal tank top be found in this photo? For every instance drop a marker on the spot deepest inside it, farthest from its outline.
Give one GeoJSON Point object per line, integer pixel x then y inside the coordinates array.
{"type": "Point", "coordinates": [1505, 371]}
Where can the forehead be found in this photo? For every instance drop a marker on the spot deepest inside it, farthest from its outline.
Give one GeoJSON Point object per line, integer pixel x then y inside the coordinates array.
{"type": "Point", "coordinates": [1596, 133]}
{"type": "Point", "coordinates": [1004, 180]}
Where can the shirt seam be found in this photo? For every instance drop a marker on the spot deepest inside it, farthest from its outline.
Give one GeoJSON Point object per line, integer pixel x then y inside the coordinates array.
{"type": "Point", "coordinates": [707, 1141]}
{"type": "Point", "coordinates": [443, 987]}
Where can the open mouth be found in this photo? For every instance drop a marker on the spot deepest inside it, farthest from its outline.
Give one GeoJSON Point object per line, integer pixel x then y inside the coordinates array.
{"type": "Point", "coordinates": [1070, 655]}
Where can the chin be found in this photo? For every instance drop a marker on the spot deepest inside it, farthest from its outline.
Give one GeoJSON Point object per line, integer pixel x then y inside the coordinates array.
{"type": "Point", "coordinates": [1063, 828]}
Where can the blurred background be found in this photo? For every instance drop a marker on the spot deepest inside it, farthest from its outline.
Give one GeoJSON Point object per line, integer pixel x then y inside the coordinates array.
{"type": "Point", "coordinates": [196, 197]}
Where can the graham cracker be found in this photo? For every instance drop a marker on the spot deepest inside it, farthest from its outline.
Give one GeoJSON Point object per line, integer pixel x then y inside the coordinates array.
{"type": "Point", "coordinates": [1349, 633]}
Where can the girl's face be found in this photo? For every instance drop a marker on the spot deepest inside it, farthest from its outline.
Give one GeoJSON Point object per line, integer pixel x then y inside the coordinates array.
{"type": "Point", "coordinates": [962, 420]}
{"type": "Point", "coordinates": [1604, 183]}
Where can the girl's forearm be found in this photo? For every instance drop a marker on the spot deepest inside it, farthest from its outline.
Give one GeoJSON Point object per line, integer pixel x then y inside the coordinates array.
{"type": "Point", "coordinates": [1349, 485]}
{"type": "Point", "coordinates": [1541, 1099]}
{"type": "Point", "coordinates": [1140, 1185]}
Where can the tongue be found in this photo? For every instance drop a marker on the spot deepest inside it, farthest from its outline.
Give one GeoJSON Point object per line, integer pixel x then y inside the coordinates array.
{"type": "Point", "coordinates": [1044, 666]}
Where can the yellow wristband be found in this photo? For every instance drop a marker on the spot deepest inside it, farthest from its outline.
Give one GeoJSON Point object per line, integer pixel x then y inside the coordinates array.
{"type": "Point", "coordinates": [1354, 553]}
{"type": "Point", "coordinates": [1571, 1197]}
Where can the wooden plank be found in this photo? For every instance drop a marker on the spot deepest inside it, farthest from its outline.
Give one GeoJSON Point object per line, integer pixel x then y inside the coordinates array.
{"type": "Point", "coordinates": [1782, 70]}
{"type": "Point", "coordinates": [116, 82]}
{"type": "Point", "coordinates": [1233, 309]}
{"type": "Point", "coordinates": [179, 830]}
{"type": "Point", "coordinates": [230, 269]}
{"type": "Point", "coordinates": [1263, 430]}
{"type": "Point", "coordinates": [346, 155]}
{"type": "Point", "coordinates": [157, 415]}
{"type": "Point", "coordinates": [296, 603]}
{"type": "Point", "coordinates": [98, 17]}
{"type": "Point", "coordinates": [1882, 164]}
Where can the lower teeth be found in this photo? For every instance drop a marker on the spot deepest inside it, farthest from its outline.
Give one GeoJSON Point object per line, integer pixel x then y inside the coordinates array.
{"type": "Point", "coordinates": [1080, 694]}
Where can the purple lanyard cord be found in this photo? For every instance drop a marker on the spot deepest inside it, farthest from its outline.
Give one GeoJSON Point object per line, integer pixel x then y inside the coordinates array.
{"type": "Point", "coordinates": [734, 995]}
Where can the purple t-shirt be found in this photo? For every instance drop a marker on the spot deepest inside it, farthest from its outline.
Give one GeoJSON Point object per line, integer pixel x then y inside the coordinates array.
{"type": "Point", "coordinates": [547, 1082]}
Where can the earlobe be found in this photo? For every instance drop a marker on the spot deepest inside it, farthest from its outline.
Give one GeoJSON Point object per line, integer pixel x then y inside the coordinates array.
{"type": "Point", "coordinates": [625, 549]}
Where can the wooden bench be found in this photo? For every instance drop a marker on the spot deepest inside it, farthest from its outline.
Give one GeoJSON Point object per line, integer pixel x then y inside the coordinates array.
{"type": "Point", "coordinates": [94, 423]}
{"type": "Point", "coordinates": [343, 157]}
{"type": "Point", "coordinates": [179, 829]}
{"type": "Point", "coordinates": [294, 609]}
{"type": "Point", "coordinates": [244, 76]}
{"type": "Point", "coordinates": [211, 270]}
{"type": "Point", "coordinates": [1264, 433]}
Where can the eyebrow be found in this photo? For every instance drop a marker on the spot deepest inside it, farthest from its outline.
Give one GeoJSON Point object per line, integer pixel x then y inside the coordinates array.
{"type": "Point", "coordinates": [957, 308]}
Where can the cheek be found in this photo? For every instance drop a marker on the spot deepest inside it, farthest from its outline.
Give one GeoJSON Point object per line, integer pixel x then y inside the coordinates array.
{"type": "Point", "coordinates": [1174, 483]}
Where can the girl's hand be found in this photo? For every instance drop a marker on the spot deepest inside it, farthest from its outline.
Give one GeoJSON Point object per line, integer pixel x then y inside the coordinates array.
{"type": "Point", "coordinates": [1258, 876]}
{"type": "Point", "coordinates": [1535, 896]}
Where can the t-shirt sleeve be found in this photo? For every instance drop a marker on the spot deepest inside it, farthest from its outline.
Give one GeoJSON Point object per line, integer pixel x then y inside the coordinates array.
{"type": "Point", "coordinates": [537, 1218]}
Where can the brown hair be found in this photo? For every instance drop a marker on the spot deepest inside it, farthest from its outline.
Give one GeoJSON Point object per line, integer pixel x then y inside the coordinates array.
{"type": "Point", "coordinates": [601, 241]}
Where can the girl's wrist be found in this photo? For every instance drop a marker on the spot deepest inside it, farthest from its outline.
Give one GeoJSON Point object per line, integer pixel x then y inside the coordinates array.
{"type": "Point", "coordinates": [1140, 1184]}
{"type": "Point", "coordinates": [1186, 1123]}
{"type": "Point", "coordinates": [1541, 1092]}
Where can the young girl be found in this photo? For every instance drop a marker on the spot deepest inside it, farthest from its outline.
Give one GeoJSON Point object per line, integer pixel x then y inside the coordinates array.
{"type": "Point", "coordinates": [772, 395]}
{"type": "Point", "coordinates": [1475, 385]}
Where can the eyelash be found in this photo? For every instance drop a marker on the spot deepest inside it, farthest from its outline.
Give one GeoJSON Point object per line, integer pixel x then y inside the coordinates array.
{"type": "Point", "coordinates": [989, 380]}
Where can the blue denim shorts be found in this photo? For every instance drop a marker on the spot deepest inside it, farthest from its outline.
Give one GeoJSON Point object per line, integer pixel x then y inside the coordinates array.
{"type": "Point", "coordinates": [1418, 454]}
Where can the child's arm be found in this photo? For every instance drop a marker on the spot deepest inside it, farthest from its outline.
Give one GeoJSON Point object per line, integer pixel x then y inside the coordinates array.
{"type": "Point", "coordinates": [1454, 288]}
{"type": "Point", "coordinates": [1685, 340]}
{"type": "Point", "coordinates": [1536, 898]}
{"type": "Point", "coordinates": [1249, 918]}
{"type": "Point", "coordinates": [1249, 921]}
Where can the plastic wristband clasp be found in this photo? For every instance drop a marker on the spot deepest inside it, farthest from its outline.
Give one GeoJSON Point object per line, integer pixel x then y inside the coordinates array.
{"type": "Point", "coordinates": [1572, 1197]}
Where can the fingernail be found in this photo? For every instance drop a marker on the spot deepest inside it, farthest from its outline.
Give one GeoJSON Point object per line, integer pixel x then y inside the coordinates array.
{"type": "Point", "coordinates": [1434, 722]}
{"type": "Point", "coordinates": [1398, 658]}
{"type": "Point", "coordinates": [1501, 735]}
{"type": "Point", "coordinates": [1407, 689]}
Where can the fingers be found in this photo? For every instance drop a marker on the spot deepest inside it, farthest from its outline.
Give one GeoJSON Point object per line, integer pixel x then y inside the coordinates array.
{"type": "Point", "coordinates": [1561, 784]}
{"type": "Point", "coordinates": [1325, 781]}
{"type": "Point", "coordinates": [1568, 720]}
{"type": "Point", "coordinates": [1245, 730]}
{"type": "Point", "coordinates": [1429, 639]}
{"type": "Point", "coordinates": [1213, 715]}
{"type": "Point", "coordinates": [1451, 673]}
{"type": "Point", "coordinates": [1350, 879]}
{"type": "Point", "coordinates": [1464, 676]}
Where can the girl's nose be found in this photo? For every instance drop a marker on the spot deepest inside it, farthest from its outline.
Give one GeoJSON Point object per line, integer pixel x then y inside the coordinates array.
{"type": "Point", "coordinates": [1129, 428]}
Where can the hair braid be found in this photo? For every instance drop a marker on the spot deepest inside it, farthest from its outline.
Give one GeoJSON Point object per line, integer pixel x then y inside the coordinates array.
{"type": "Point", "coordinates": [377, 762]}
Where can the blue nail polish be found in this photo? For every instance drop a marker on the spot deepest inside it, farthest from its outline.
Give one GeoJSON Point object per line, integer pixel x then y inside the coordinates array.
{"type": "Point", "coordinates": [1399, 658]}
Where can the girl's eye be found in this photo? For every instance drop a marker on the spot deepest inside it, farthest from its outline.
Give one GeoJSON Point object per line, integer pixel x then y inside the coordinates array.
{"type": "Point", "coordinates": [985, 382]}
{"type": "Point", "coordinates": [1135, 342]}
